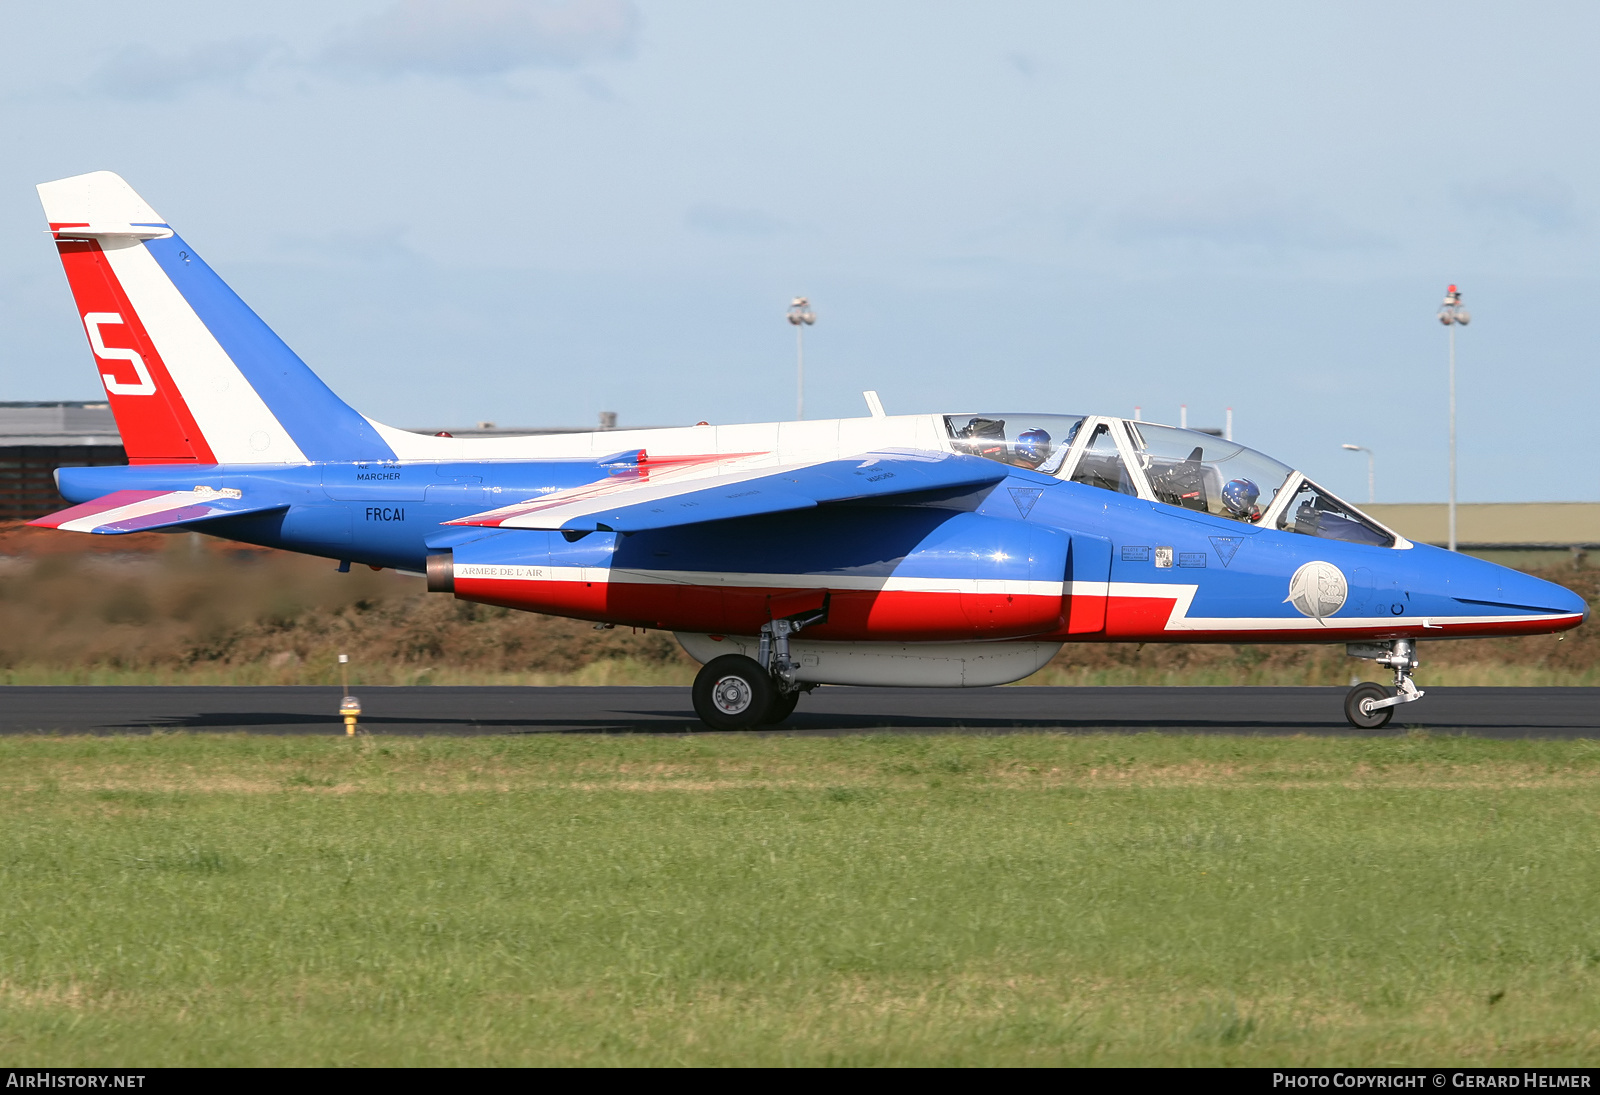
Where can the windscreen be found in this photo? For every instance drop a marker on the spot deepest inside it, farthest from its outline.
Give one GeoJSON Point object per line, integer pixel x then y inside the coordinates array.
{"type": "Point", "coordinates": [1205, 473]}
{"type": "Point", "coordinates": [1314, 512]}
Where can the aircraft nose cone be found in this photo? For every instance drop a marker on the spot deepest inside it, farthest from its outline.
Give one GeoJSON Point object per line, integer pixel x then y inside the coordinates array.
{"type": "Point", "coordinates": [1529, 592]}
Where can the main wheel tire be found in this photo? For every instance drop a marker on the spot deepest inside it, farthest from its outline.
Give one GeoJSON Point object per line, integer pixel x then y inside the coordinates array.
{"type": "Point", "coordinates": [733, 692]}
{"type": "Point", "coordinates": [1366, 693]}
{"type": "Point", "coordinates": [783, 704]}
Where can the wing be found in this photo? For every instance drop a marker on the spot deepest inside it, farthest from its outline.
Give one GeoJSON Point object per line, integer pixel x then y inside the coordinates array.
{"type": "Point", "coordinates": [144, 510]}
{"type": "Point", "coordinates": [742, 486]}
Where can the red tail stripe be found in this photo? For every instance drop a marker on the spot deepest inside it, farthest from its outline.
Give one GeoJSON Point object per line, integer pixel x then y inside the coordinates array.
{"type": "Point", "coordinates": [156, 428]}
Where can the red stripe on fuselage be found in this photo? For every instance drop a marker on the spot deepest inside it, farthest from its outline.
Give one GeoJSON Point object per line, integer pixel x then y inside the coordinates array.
{"type": "Point", "coordinates": [1144, 620]}
{"type": "Point", "coordinates": [908, 616]}
{"type": "Point", "coordinates": [879, 615]}
{"type": "Point", "coordinates": [156, 428]}
{"type": "Point", "coordinates": [1437, 628]}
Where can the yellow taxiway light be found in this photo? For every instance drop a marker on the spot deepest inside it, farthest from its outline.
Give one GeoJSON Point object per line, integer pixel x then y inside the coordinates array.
{"type": "Point", "coordinates": [349, 706]}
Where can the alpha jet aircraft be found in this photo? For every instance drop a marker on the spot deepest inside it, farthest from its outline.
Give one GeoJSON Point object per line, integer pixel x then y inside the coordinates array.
{"type": "Point", "coordinates": [952, 550]}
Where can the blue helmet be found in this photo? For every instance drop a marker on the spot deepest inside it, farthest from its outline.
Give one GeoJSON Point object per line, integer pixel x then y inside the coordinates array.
{"type": "Point", "coordinates": [1033, 447]}
{"type": "Point", "coordinates": [1240, 495]}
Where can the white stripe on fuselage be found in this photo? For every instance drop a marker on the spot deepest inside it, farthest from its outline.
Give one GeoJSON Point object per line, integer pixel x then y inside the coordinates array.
{"type": "Point", "coordinates": [789, 442]}
{"type": "Point", "coordinates": [887, 584]}
{"type": "Point", "coordinates": [1181, 596]}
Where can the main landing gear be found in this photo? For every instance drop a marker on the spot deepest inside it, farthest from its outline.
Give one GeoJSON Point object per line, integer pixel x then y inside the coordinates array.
{"type": "Point", "coordinates": [1369, 706]}
{"type": "Point", "coordinates": [734, 692]}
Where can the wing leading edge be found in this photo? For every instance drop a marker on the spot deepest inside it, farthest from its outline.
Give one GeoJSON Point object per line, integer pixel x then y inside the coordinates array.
{"type": "Point", "coordinates": [643, 498]}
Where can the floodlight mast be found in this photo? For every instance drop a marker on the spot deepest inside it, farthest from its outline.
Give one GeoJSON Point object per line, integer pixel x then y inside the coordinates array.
{"type": "Point", "coordinates": [1372, 494]}
{"type": "Point", "coordinates": [801, 315]}
{"type": "Point", "coordinates": [1453, 314]}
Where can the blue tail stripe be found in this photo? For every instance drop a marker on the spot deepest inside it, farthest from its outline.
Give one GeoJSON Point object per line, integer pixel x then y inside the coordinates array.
{"type": "Point", "coordinates": [323, 425]}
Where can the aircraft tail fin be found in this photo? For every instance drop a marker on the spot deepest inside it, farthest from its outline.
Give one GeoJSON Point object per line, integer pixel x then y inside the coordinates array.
{"type": "Point", "coordinates": [192, 374]}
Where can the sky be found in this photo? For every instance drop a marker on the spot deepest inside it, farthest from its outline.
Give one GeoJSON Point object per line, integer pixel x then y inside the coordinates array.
{"type": "Point", "coordinates": [531, 211]}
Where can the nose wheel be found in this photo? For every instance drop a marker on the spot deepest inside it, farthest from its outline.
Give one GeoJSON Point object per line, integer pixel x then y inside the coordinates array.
{"type": "Point", "coordinates": [1370, 706]}
{"type": "Point", "coordinates": [1359, 710]}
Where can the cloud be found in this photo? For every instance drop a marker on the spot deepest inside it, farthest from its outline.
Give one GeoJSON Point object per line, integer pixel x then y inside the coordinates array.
{"type": "Point", "coordinates": [481, 40]}
{"type": "Point", "coordinates": [137, 73]}
{"type": "Point", "coordinates": [1545, 204]}
{"type": "Point", "coordinates": [721, 220]}
{"type": "Point", "coordinates": [484, 38]}
{"type": "Point", "coordinates": [1241, 222]}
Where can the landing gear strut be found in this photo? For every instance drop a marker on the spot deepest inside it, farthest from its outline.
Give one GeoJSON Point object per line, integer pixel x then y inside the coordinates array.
{"type": "Point", "coordinates": [734, 692]}
{"type": "Point", "coordinates": [1370, 706]}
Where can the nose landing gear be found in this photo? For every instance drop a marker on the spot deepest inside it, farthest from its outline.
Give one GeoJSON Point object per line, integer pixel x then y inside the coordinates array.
{"type": "Point", "coordinates": [1370, 706]}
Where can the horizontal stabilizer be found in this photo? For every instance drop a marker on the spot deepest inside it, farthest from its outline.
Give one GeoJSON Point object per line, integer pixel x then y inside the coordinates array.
{"type": "Point", "coordinates": [145, 510]}
{"type": "Point", "coordinates": [685, 493]}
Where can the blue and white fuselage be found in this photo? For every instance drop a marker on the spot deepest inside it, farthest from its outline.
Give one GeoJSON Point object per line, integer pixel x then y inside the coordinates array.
{"type": "Point", "coordinates": [934, 548]}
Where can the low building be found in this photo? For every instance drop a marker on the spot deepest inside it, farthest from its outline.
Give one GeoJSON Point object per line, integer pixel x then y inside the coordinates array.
{"type": "Point", "coordinates": [38, 438]}
{"type": "Point", "coordinates": [608, 421]}
{"type": "Point", "coordinates": [1519, 534]}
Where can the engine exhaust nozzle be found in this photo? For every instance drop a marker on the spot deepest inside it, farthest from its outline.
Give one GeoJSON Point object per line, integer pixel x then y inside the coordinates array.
{"type": "Point", "coordinates": [442, 572]}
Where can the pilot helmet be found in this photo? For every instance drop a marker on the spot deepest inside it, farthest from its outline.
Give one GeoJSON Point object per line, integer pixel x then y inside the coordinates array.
{"type": "Point", "coordinates": [1240, 495]}
{"type": "Point", "coordinates": [1032, 447]}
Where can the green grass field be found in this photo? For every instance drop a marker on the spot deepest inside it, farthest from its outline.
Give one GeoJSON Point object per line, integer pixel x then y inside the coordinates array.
{"type": "Point", "coordinates": [1021, 899]}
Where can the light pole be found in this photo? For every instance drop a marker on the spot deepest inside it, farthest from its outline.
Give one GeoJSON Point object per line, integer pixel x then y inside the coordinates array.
{"type": "Point", "coordinates": [1452, 313]}
{"type": "Point", "coordinates": [801, 315]}
{"type": "Point", "coordinates": [1372, 493]}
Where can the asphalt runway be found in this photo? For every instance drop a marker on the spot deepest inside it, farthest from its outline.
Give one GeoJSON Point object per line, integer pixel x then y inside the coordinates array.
{"type": "Point", "coordinates": [1481, 712]}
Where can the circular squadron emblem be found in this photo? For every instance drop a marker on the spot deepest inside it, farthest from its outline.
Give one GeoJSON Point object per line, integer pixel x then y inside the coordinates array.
{"type": "Point", "coordinates": [1318, 589]}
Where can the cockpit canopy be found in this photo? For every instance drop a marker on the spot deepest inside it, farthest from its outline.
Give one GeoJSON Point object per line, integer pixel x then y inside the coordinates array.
{"type": "Point", "coordinates": [1175, 467]}
{"type": "Point", "coordinates": [1036, 441]}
